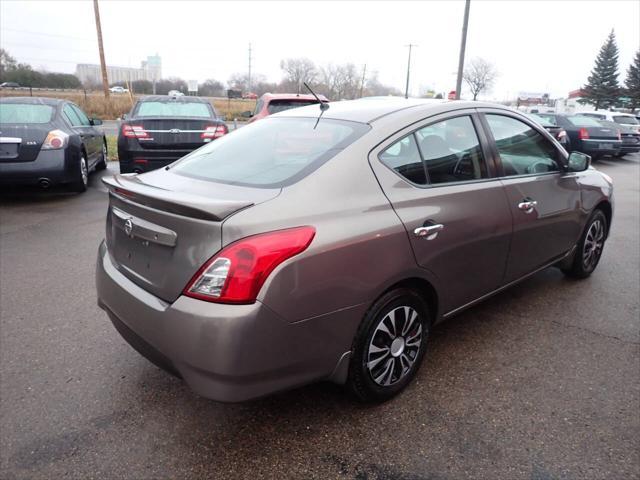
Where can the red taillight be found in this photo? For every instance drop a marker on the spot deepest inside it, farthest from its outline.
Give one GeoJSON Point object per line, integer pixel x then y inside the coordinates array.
{"type": "Point", "coordinates": [238, 271]}
{"type": "Point", "coordinates": [214, 131]}
{"type": "Point", "coordinates": [562, 134]}
{"type": "Point", "coordinates": [583, 134]}
{"type": "Point", "coordinates": [134, 131]}
{"type": "Point", "coordinates": [55, 139]}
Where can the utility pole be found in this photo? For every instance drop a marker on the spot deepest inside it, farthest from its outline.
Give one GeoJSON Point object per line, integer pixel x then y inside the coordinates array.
{"type": "Point", "coordinates": [406, 90]}
{"type": "Point", "coordinates": [364, 73]}
{"type": "Point", "coordinates": [249, 76]}
{"type": "Point", "coordinates": [463, 46]}
{"type": "Point", "coordinates": [103, 64]}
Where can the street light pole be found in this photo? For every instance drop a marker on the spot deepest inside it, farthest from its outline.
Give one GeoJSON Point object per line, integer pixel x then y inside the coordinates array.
{"type": "Point", "coordinates": [406, 90]}
{"type": "Point", "coordinates": [463, 45]}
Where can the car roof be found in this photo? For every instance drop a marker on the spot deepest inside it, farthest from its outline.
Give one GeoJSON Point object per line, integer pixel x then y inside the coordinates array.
{"type": "Point", "coordinates": [291, 96]}
{"type": "Point", "coordinates": [169, 98]}
{"type": "Point", "coordinates": [34, 100]}
{"type": "Point", "coordinates": [367, 110]}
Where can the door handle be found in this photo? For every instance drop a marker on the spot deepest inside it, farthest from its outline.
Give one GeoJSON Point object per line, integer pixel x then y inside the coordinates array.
{"type": "Point", "coordinates": [527, 205]}
{"type": "Point", "coordinates": [429, 232]}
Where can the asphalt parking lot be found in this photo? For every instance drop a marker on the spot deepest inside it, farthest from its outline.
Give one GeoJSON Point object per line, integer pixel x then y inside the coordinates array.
{"type": "Point", "coordinates": [540, 382]}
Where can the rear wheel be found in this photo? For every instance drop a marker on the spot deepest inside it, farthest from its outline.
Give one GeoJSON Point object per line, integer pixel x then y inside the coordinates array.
{"type": "Point", "coordinates": [389, 346]}
{"type": "Point", "coordinates": [81, 175]}
{"type": "Point", "coordinates": [590, 247]}
{"type": "Point", "coordinates": [102, 163]}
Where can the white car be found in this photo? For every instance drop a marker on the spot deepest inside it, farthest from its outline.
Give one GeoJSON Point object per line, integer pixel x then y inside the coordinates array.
{"type": "Point", "coordinates": [118, 90]}
{"type": "Point", "coordinates": [175, 93]}
{"type": "Point", "coordinates": [620, 118]}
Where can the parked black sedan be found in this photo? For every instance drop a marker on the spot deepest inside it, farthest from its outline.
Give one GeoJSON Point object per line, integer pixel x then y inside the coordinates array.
{"type": "Point", "coordinates": [47, 141]}
{"type": "Point", "coordinates": [587, 135]}
{"type": "Point", "coordinates": [550, 126]}
{"type": "Point", "coordinates": [630, 138]}
{"type": "Point", "coordinates": [161, 129]}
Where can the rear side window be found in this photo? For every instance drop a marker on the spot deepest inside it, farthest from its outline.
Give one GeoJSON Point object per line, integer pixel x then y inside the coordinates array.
{"type": "Point", "coordinates": [404, 158]}
{"type": "Point", "coordinates": [276, 106]}
{"type": "Point", "coordinates": [451, 151]}
{"type": "Point", "coordinates": [173, 109]}
{"type": "Point", "coordinates": [523, 150]}
{"type": "Point", "coordinates": [71, 115]}
{"type": "Point", "coordinates": [25, 113]}
{"type": "Point", "coordinates": [272, 153]}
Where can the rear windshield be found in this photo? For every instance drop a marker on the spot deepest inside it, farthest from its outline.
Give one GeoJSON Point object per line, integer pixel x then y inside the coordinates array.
{"type": "Point", "coordinates": [25, 113]}
{"type": "Point", "coordinates": [625, 119]}
{"type": "Point", "coordinates": [582, 121]}
{"type": "Point", "coordinates": [276, 106]}
{"type": "Point", "coordinates": [272, 153]}
{"type": "Point", "coordinates": [594, 115]}
{"type": "Point", "coordinates": [173, 109]}
{"type": "Point", "coordinates": [544, 121]}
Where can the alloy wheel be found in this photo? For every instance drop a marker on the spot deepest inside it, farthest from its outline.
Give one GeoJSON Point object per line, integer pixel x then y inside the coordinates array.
{"type": "Point", "coordinates": [593, 243]}
{"type": "Point", "coordinates": [395, 346]}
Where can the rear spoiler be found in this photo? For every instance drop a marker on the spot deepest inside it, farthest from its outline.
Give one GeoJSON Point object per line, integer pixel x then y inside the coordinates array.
{"type": "Point", "coordinates": [130, 188]}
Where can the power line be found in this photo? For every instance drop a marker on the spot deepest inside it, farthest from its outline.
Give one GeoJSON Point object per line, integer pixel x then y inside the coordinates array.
{"type": "Point", "coordinates": [47, 34]}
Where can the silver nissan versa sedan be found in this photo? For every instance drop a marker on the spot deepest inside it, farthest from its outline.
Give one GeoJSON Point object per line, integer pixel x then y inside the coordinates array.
{"type": "Point", "coordinates": [325, 242]}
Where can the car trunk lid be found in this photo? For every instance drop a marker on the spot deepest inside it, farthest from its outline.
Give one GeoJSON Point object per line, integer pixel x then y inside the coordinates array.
{"type": "Point", "coordinates": [162, 227]}
{"type": "Point", "coordinates": [602, 133]}
{"type": "Point", "coordinates": [21, 143]}
{"type": "Point", "coordinates": [174, 133]}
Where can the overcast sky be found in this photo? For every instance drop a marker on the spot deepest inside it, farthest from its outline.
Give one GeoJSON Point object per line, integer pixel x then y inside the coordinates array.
{"type": "Point", "coordinates": [536, 46]}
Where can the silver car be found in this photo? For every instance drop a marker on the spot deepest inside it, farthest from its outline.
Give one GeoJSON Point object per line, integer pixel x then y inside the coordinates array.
{"type": "Point", "coordinates": [326, 243]}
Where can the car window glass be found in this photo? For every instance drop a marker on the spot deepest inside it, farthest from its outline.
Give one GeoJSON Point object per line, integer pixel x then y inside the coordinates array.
{"type": "Point", "coordinates": [25, 113]}
{"type": "Point", "coordinates": [625, 119]}
{"type": "Point", "coordinates": [71, 116]}
{"type": "Point", "coordinates": [593, 115]}
{"type": "Point", "coordinates": [451, 151]}
{"type": "Point", "coordinates": [523, 150]}
{"type": "Point", "coordinates": [173, 109]}
{"type": "Point", "coordinates": [403, 157]}
{"type": "Point", "coordinates": [276, 106]}
{"type": "Point", "coordinates": [582, 121]}
{"type": "Point", "coordinates": [259, 106]}
{"type": "Point", "coordinates": [84, 120]}
{"type": "Point", "coordinates": [544, 121]}
{"type": "Point", "coordinates": [271, 153]}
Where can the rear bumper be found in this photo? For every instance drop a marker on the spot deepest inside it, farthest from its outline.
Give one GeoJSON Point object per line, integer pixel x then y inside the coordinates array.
{"type": "Point", "coordinates": [50, 164]}
{"type": "Point", "coordinates": [593, 147]}
{"type": "Point", "coordinates": [228, 353]}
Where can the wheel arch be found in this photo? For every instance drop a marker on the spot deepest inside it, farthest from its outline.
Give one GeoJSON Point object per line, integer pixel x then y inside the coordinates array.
{"type": "Point", "coordinates": [607, 209]}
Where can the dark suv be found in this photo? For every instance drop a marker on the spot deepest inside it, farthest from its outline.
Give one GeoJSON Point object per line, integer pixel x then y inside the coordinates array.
{"type": "Point", "coordinates": [162, 129]}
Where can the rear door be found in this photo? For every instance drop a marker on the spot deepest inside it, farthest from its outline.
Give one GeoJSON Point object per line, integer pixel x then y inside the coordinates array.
{"type": "Point", "coordinates": [455, 212]}
{"type": "Point", "coordinates": [544, 200]}
{"type": "Point", "coordinates": [80, 125]}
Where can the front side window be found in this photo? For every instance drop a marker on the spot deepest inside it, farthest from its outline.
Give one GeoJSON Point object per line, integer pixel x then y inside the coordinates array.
{"type": "Point", "coordinates": [271, 153]}
{"type": "Point", "coordinates": [451, 151]}
{"type": "Point", "coordinates": [404, 158]}
{"type": "Point", "coordinates": [523, 150]}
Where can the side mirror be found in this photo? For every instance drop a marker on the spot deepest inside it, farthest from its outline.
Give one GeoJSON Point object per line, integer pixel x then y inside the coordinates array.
{"type": "Point", "coordinates": [96, 121]}
{"type": "Point", "coordinates": [578, 162]}
{"type": "Point", "coordinates": [247, 114]}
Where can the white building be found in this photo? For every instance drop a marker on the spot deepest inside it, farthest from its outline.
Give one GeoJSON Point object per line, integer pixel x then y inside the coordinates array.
{"type": "Point", "coordinates": [150, 69]}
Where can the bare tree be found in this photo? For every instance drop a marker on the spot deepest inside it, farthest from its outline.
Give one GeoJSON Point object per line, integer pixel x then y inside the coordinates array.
{"type": "Point", "coordinates": [480, 76]}
{"type": "Point", "coordinates": [297, 71]}
{"type": "Point", "coordinates": [340, 81]}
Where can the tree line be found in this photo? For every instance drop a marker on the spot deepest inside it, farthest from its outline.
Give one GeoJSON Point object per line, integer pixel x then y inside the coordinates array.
{"type": "Point", "coordinates": [23, 74]}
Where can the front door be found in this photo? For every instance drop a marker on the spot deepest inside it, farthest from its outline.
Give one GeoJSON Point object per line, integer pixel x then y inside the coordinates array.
{"type": "Point", "coordinates": [455, 213]}
{"type": "Point", "coordinates": [544, 200]}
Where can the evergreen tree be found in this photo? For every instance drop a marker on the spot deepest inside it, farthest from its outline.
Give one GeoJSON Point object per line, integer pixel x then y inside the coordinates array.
{"type": "Point", "coordinates": [633, 82]}
{"type": "Point", "coordinates": [602, 89]}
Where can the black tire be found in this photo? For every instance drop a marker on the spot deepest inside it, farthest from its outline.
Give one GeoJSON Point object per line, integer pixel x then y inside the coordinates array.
{"type": "Point", "coordinates": [369, 384]}
{"type": "Point", "coordinates": [592, 240]}
{"type": "Point", "coordinates": [81, 175]}
{"type": "Point", "coordinates": [102, 163]}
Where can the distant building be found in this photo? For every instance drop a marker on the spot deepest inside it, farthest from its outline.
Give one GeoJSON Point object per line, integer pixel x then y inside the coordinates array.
{"type": "Point", "coordinates": [150, 69]}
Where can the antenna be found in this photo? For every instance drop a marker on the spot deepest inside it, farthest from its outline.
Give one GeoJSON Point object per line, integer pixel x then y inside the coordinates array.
{"type": "Point", "coordinates": [323, 105]}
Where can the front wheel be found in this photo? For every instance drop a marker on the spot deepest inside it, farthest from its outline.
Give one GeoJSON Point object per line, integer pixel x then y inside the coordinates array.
{"type": "Point", "coordinates": [389, 346]}
{"type": "Point", "coordinates": [589, 249]}
{"type": "Point", "coordinates": [102, 163]}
